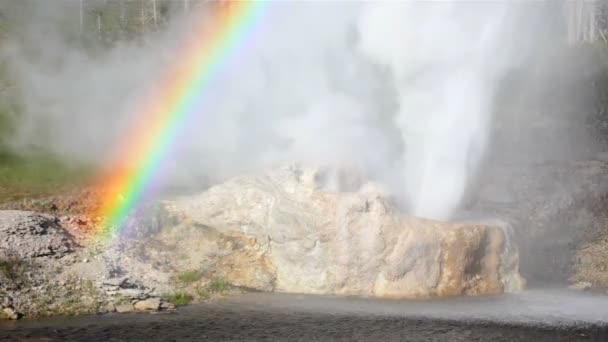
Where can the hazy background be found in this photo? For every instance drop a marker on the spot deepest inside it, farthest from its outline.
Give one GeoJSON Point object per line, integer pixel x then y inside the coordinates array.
{"type": "Point", "coordinates": [409, 94]}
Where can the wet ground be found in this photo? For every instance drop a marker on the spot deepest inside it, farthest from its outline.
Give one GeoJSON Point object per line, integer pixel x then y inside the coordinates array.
{"type": "Point", "coordinates": [537, 315]}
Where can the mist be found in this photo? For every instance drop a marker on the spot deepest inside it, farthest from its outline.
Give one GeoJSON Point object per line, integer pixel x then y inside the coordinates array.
{"type": "Point", "coordinates": [400, 93]}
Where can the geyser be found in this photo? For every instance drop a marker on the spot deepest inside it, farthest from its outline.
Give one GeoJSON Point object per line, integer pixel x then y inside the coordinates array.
{"type": "Point", "coordinates": [442, 59]}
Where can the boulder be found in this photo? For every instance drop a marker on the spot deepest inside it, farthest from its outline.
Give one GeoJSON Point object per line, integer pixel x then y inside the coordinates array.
{"type": "Point", "coordinates": [11, 314]}
{"type": "Point", "coordinates": [150, 304]}
{"type": "Point", "coordinates": [126, 307]}
{"type": "Point", "coordinates": [167, 306]}
{"type": "Point", "coordinates": [280, 231]}
{"type": "Point", "coordinates": [110, 307]}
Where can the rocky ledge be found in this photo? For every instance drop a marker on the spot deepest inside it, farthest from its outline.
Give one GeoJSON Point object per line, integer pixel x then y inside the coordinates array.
{"type": "Point", "coordinates": [279, 231]}
{"type": "Point", "coordinates": [292, 236]}
{"type": "Point", "coordinates": [45, 270]}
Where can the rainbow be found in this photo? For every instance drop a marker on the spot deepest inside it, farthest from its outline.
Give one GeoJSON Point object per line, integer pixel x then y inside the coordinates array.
{"type": "Point", "coordinates": [215, 39]}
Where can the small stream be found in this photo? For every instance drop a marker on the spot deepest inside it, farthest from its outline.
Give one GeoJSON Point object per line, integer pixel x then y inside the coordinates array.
{"type": "Point", "coordinates": [532, 315]}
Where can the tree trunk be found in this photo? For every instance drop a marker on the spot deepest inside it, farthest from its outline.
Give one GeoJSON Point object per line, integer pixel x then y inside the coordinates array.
{"type": "Point", "coordinates": [81, 10]}
{"type": "Point", "coordinates": [581, 20]}
{"type": "Point", "coordinates": [123, 15]}
{"type": "Point", "coordinates": [142, 17]}
{"type": "Point", "coordinates": [99, 23]}
{"type": "Point", "coordinates": [154, 13]}
{"type": "Point", "coordinates": [591, 30]}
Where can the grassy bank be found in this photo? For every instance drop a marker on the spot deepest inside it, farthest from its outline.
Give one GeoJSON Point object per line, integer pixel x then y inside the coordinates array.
{"type": "Point", "coordinates": [37, 175]}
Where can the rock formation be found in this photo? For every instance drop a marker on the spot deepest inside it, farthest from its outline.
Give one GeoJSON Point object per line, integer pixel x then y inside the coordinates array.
{"type": "Point", "coordinates": [45, 271]}
{"type": "Point", "coordinates": [294, 237]}
{"type": "Point", "coordinates": [31, 235]}
{"type": "Point", "coordinates": [279, 231]}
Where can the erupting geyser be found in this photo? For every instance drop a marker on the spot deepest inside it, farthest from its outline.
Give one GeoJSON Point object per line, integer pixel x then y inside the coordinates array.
{"type": "Point", "coordinates": [442, 57]}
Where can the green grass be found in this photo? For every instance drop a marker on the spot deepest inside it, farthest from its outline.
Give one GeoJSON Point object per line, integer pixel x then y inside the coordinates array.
{"type": "Point", "coordinates": [37, 175]}
{"type": "Point", "coordinates": [178, 298]}
{"type": "Point", "coordinates": [218, 285]}
{"type": "Point", "coordinates": [189, 277]}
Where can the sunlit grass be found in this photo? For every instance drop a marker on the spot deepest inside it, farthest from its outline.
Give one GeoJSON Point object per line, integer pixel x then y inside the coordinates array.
{"type": "Point", "coordinates": [178, 298]}
{"type": "Point", "coordinates": [218, 285]}
{"type": "Point", "coordinates": [189, 277]}
{"type": "Point", "coordinates": [37, 175]}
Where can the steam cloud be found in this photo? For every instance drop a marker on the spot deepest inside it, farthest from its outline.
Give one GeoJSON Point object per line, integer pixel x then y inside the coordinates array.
{"type": "Point", "coordinates": [402, 92]}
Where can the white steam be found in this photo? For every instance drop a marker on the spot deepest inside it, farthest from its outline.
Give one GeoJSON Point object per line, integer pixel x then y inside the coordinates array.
{"type": "Point", "coordinates": [400, 91]}
{"type": "Point", "coordinates": [442, 58]}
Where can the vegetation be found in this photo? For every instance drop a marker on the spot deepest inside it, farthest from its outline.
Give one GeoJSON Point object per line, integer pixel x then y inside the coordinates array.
{"type": "Point", "coordinates": [199, 292]}
{"type": "Point", "coordinates": [11, 269]}
{"type": "Point", "coordinates": [76, 296]}
{"type": "Point", "coordinates": [36, 175]}
{"type": "Point", "coordinates": [189, 277]}
{"type": "Point", "coordinates": [218, 285]}
{"type": "Point", "coordinates": [178, 298]}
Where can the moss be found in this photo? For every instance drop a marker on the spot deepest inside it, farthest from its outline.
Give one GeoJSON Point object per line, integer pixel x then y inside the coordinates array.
{"type": "Point", "coordinates": [189, 277]}
{"type": "Point", "coordinates": [178, 298]}
{"type": "Point", "coordinates": [218, 285]}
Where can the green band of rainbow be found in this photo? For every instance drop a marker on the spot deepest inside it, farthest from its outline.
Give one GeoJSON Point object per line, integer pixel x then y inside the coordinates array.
{"type": "Point", "coordinates": [202, 58]}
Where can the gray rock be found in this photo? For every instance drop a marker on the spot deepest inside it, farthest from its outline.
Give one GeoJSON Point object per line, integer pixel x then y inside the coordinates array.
{"type": "Point", "coordinates": [581, 286]}
{"type": "Point", "coordinates": [31, 235]}
{"type": "Point", "coordinates": [110, 307]}
{"type": "Point", "coordinates": [167, 306]}
{"type": "Point", "coordinates": [133, 293]}
{"type": "Point", "coordinates": [117, 282]}
{"type": "Point", "coordinates": [150, 304]}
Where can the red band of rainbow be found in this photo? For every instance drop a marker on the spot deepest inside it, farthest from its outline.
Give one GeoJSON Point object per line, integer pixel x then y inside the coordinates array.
{"type": "Point", "coordinates": [201, 59]}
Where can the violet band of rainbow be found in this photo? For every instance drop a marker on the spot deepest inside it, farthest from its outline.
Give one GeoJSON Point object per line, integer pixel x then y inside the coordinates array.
{"type": "Point", "coordinates": [204, 55]}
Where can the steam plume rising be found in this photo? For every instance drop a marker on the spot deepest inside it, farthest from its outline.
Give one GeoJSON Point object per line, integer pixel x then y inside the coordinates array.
{"type": "Point", "coordinates": [441, 58]}
{"type": "Point", "coordinates": [400, 91]}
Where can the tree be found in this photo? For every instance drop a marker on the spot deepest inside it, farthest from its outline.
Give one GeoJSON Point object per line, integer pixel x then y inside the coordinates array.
{"type": "Point", "coordinates": [587, 20]}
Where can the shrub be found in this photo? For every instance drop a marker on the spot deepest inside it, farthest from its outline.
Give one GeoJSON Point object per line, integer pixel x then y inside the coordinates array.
{"type": "Point", "coordinates": [218, 285]}
{"type": "Point", "coordinates": [11, 269]}
{"type": "Point", "coordinates": [178, 298]}
{"type": "Point", "coordinates": [189, 277]}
